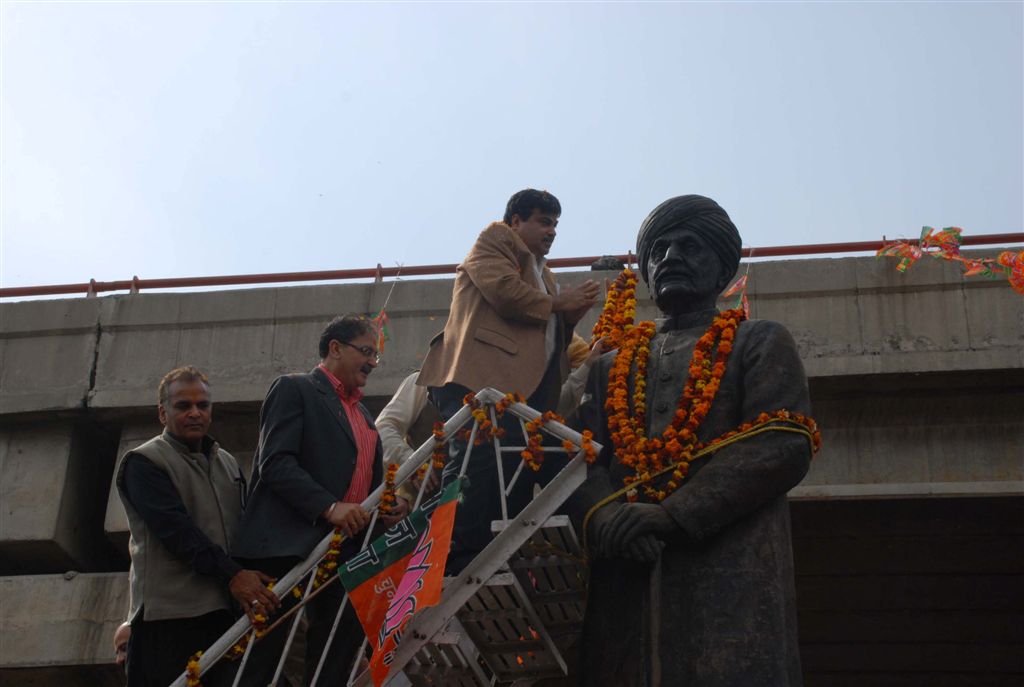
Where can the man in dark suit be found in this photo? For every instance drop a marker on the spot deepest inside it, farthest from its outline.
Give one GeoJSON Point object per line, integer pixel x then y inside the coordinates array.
{"type": "Point", "coordinates": [319, 457]}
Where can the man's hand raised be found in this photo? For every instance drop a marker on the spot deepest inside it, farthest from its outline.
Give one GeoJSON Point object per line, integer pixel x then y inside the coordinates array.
{"type": "Point", "coordinates": [575, 301]}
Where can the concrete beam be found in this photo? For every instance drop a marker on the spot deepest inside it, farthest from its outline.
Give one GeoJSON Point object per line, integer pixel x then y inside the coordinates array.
{"type": "Point", "coordinates": [947, 437]}
{"type": "Point", "coordinates": [60, 620]}
{"type": "Point", "coordinates": [46, 354]}
{"type": "Point", "coordinates": [859, 316]}
{"type": "Point", "coordinates": [849, 316]}
{"type": "Point", "coordinates": [53, 478]}
{"type": "Point", "coordinates": [889, 490]}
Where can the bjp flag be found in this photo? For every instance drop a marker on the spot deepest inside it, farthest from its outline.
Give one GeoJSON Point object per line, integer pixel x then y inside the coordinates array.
{"type": "Point", "coordinates": [399, 574]}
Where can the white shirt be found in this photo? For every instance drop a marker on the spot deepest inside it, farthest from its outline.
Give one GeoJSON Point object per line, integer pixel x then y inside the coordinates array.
{"type": "Point", "coordinates": [572, 390]}
{"type": "Point", "coordinates": [398, 416]}
{"type": "Point", "coordinates": [551, 333]}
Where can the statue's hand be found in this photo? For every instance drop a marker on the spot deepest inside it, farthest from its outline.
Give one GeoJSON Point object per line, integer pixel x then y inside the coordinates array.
{"type": "Point", "coordinates": [632, 523]}
{"type": "Point", "coordinates": [597, 530]}
{"type": "Point", "coordinates": [645, 549]}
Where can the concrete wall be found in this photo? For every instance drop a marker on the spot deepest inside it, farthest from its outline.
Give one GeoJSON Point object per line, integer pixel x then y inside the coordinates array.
{"type": "Point", "coordinates": [53, 620]}
{"type": "Point", "coordinates": [53, 482]}
{"type": "Point", "coordinates": [916, 380]}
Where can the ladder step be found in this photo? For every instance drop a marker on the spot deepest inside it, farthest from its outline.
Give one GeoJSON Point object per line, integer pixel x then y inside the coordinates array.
{"type": "Point", "coordinates": [515, 646]}
{"type": "Point", "coordinates": [493, 614]}
{"type": "Point", "coordinates": [559, 597]}
{"type": "Point", "coordinates": [518, 605]}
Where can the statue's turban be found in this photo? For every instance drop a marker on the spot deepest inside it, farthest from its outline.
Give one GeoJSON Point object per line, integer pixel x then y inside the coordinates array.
{"type": "Point", "coordinates": [699, 214]}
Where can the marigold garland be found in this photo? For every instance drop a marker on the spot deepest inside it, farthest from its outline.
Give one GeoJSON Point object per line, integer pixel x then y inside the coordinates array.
{"type": "Point", "coordinates": [763, 419]}
{"type": "Point", "coordinates": [388, 498]}
{"type": "Point", "coordinates": [676, 447]}
{"type": "Point", "coordinates": [325, 570]}
{"type": "Point", "coordinates": [779, 420]}
{"type": "Point", "coordinates": [646, 456]}
{"type": "Point", "coordinates": [485, 431]}
{"type": "Point", "coordinates": [533, 453]}
{"type": "Point", "coordinates": [328, 565]}
{"type": "Point", "coordinates": [589, 452]}
{"type": "Point", "coordinates": [259, 624]}
{"type": "Point", "coordinates": [508, 399]}
{"type": "Point", "coordinates": [619, 311]}
{"type": "Point", "coordinates": [192, 670]}
{"type": "Point", "coordinates": [440, 454]}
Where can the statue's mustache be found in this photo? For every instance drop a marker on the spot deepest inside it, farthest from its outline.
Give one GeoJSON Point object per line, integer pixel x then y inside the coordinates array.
{"type": "Point", "coordinates": [670, 267]}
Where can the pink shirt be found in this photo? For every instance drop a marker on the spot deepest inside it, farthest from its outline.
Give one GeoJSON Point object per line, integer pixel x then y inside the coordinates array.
{"type": "Point", "coordinates": [366, 440]}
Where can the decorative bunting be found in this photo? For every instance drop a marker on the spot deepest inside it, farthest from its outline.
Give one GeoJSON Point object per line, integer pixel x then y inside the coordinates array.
{"type": "Point", "coordinates": [740, 287]}
{"type": "Point", "coordinates": [380, 322]}
{"type": "Point", "coordinates": [945, 245]}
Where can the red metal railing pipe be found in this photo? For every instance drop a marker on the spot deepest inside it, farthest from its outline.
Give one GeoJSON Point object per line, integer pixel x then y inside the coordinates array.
{"type": "Point", "coordinates": [94, 287]}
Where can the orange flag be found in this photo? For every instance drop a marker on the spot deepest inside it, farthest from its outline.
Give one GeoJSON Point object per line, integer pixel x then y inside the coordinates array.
{"type": "Point", "coordinates": [400, 574]}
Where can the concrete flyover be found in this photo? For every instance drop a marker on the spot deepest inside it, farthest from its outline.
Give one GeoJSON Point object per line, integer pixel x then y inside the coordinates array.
{"type": "Point", "coordinates": [908, 529]}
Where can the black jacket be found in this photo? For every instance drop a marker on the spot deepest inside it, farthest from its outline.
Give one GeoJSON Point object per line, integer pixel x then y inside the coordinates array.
{"type": "Point", "coordinates": [305, 461]}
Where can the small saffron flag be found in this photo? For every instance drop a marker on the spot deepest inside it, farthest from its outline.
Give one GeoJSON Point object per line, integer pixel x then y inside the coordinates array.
{"type": "Point", "coordinates": [400, 574]}
{"type": "Point", "coordinates": [740, 287]}
{"type": "Point", "coordinates": [380, 322]}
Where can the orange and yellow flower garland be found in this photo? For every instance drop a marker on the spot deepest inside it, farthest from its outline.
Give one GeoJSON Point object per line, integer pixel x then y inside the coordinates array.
{"type": "Point", "coordinates": [486, 431]}
{"type": "Point", "coordinates": [635, 450]}
{"type": "Point", "coordinates": [388, 497]}
{"type": "Point", "coordinates": [763, 419]}
{"type": "Point", "coordinates": [440, 454]}
{"type": "Point", "coordinates": [324, 571]}
{"type": "Point", "coordinates": [673, 451]}
{"type": "Point", "coordinates": [533, 454]}
{"type": "Point", "coordinates": [589, 452]}
{"type": "Point", "coordinates": [328, 565]}
{"type": "Point", "coordinates": [192, 670]}
{"type": "Point", "coordinates": [619, 311]}
{"type": "Point", "coordinates": [260, 626]}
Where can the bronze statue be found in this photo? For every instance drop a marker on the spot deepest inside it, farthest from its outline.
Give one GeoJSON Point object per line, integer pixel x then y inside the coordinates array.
{"type": "Point", "coordinates": [691, 562]}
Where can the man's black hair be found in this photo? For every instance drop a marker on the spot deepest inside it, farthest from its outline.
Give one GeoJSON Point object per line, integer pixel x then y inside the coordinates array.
{"type": "Point", "coordinates": [524, 202]}
{"type": "Point", "coordinates": [344, 328]}
{"type": "Point", "coordinates": [188, 373]}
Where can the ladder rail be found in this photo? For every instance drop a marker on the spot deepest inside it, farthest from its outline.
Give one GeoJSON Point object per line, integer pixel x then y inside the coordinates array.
{"type": "Point", "coordinates": [503, 547]}
{"type": "Point", "coordinates": [487, 562]}
{"type": "Point", "coordinates": [216, 651]}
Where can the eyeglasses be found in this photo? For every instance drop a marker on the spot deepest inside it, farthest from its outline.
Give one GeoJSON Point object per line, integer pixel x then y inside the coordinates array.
{"type": "Point", "coordinates": [367, 352]}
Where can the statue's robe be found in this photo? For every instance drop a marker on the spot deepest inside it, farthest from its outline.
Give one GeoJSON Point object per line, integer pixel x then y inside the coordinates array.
{"type": "Point", "coordinates": [719, 609]}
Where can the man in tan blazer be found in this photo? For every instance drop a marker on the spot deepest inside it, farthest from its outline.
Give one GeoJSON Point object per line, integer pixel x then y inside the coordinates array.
{"type": "Point", "coordinates": [508, 328]}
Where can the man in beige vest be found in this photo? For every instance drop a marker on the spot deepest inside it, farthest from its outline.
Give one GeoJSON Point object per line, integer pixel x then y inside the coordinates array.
{"type": "Point", "coordinates": [508, 328]}
{"type": "Point", "coordinates": [183, 496]}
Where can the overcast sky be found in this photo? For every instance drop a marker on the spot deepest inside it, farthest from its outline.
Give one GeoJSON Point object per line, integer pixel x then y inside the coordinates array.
{"type": "Point", "coordinates": [187, 139]}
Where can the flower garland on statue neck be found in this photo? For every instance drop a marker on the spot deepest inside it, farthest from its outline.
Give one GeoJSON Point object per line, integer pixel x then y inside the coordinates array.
{"type": "Point", "coordinates": [647, 456]}
{"type": "Point", "coordinates": [678, 444]}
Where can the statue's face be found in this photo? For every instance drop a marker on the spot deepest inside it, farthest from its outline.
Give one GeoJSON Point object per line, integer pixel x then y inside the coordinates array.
{"type": "Point", "coordinates": [685, 272]}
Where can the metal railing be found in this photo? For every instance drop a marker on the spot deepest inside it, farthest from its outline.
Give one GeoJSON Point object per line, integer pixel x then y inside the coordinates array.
{"type": "Point", "coordinates": [135, 284]}
{"type": "Point", "coordinates": [430, 621]}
